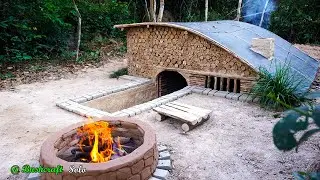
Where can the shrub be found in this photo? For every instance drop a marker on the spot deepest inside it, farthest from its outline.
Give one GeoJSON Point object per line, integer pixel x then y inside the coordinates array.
{"type": "Point", "coordinates": [297, 21]}
{"type": "Point", "coordinates": [42, 29]}
{"type": "Point", "coordinates": [119, 72]}
{"type": "Point", "coordinates": [278, 86]}
{"type": "Point", "coordinates": [297, 120]}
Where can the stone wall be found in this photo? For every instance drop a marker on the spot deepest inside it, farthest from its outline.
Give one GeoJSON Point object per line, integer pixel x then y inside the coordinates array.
{"type": "Point", "coordinates": [125, 99]}
{"type": "Point", "coordinates": [154, 49]}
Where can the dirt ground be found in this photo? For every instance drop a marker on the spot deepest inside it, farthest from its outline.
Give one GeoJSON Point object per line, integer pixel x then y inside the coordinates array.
{"type": "Point", "coordinates": [236, 143]}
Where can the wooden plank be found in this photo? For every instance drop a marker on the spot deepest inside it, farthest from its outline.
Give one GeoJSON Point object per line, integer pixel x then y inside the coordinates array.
{"type": "Point", "coordinates": [180, 116]}
{"type": "Point", "coordinates": [200, 114]}
{"type": "Point", "coordinates": [193, 119]}
{"type": "Point", "coordinates": [206, 111]}
{"type": "Point", "coordinates": [235, 84]}
{"type": "Point", "coordinates": [215, 83]}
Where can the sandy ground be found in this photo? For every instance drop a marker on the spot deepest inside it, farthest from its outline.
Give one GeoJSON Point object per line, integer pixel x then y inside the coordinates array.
{"type": "Point", "coordinates": [29, 115]}
{"type": "Point", "coordinates": [236, 143]}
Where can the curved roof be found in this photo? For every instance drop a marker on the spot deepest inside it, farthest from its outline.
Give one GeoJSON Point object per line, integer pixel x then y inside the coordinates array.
{"type": "Point", "coordinates": [235, 37]}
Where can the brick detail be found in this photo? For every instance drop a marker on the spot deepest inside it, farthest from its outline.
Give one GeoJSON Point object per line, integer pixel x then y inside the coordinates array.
{"type": "Point", "coordinates": [138, 167]}
{"type": "Point", "coordinates": [197, 80]}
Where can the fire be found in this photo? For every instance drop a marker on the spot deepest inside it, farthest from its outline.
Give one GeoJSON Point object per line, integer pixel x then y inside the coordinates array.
{"type": "Point", "coordinates": [98, 135]}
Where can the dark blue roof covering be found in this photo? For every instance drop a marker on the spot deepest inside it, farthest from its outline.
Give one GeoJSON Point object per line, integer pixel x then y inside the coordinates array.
{"type": "Point", "coordinates": [235, 37]}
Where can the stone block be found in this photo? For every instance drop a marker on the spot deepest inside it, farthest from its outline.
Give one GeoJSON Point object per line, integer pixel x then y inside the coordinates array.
{"type": "Point", "coordinates": [135, 110]}
{"type": "Point", "coordinates": [243, 97]}
{"type": "Point", "coordinates": [97, 95]}
{"type": "Point", "coordinates": [221, 94]}
{"type": "Point", "coordinates": [162, 148]}
{"type": "Point", "coordinates": [80, 99]}
{"type": "Point", "coordinates": [206, 92]}
{"type": "Point", "coordinates": [164, 164]}
{"type": "Point", "coordinates": [256, 100]}
{"type": "Point", "coordinates": [120, 114]}
{"type": "Point", "coordinates": [146, 172]}
{"type": "Point", "coordinates": [249, 98]}
{"type": "Point", "coordinates": [161, 174]}
{"type": "Point", "coordinates": [230, 95]}
{"type": "Point", "coordinates": [198, 90]}
{"type": "Point", "coordinates": [88, 97]}
{"type": "Point", "coordinates": [212, 92]}
{"type": "Point", "coordinates": [123, 174]}
{"type": "Point", "coordinates": [131, 113]}
{"type": "Point", "coordinates": [136, 168]}
{"type": "Point", "coordinates": [236, 96]}
{"type": "Point", "coordinates": [154, 178]}
{"type": "Point", "coordinates": [149, 161]}
{"type": "Point", "coordinates": [164, 155]}
{"type": "Point", "coordinates": [135, 177]}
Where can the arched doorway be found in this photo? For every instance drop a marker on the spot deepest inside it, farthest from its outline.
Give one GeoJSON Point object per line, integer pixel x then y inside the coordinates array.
{"type": "Point", "coordinates": [170, 81]}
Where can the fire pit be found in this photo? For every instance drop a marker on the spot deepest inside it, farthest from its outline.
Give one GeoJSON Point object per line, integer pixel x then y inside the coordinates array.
{"type": "Point", "coordinates": [106, 148]}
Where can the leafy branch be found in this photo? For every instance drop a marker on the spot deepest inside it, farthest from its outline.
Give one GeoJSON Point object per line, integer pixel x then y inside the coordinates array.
{"type": "Point", "coordinates": [295, 120]}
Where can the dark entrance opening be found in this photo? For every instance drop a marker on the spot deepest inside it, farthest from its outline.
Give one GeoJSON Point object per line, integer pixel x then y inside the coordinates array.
{"type": "Point", "coordinates": [170, 81]}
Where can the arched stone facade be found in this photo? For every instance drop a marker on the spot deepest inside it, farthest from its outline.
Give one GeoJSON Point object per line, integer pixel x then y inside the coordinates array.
{"type": "Point", "coordinates": [157, 48]}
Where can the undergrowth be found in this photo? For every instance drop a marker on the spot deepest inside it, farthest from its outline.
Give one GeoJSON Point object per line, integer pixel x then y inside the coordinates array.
{"type": "Point", "coordinates": [280, 86]}
{"type": "Point", "coordinates": [119, 72]}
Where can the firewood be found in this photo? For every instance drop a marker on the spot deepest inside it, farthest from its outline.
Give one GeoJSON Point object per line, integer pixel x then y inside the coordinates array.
{"type": "Point", "coordinates": [187, 127]}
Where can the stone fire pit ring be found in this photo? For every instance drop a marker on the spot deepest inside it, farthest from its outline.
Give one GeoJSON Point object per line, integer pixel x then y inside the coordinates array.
{"type": "Point", "coordinates": [138, 165]}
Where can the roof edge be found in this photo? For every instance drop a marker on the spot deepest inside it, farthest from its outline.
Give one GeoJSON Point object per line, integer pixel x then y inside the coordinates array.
{"type": "Point", "coordinates": [123, 26]}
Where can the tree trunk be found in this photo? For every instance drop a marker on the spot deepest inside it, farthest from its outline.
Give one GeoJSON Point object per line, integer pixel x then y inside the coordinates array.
{"type": "Point", "coordinates": [161, 11]}
{"type": "Point", "coordinates": [206, 11]}
{"type": "Point", "coordinates": [79, 30]}
{"type": "Point", "coordinates": [239, 10]}
{"type": "Point", "coordinates": [147, 10]}
{"type": "Point", "coordinates": [153, 9]}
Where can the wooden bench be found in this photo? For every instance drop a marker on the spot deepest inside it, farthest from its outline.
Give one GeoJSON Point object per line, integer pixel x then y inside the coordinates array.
{"type": "Point", "coordinates": [191, 116]}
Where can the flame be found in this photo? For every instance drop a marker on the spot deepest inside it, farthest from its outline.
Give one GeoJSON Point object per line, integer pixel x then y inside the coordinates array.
{"type": "Point", "coordinates": [98, 135]}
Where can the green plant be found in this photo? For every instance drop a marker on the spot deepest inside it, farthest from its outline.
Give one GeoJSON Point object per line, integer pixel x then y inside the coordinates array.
{"type": "Point", "coordinates": [304, 119]}
{"type": "Point", "coordinates": [119, 72]}
{"type": "Point", "coordinates": [45, 29]}
{"type": "Point", "coordinates": [36, 68]}
{"type": "Point", "coordinates": [306, 176]}
{"type": "Point", "coordinates": [297, 21]}
{"type": "Point", "coordinates": [7, 75]}
{"type": "Point", "coordinates": [280, 85]}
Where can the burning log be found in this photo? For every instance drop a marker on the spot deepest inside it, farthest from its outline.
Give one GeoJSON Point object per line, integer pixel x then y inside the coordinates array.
{"type": "Point", "coordinates": [96, 142]}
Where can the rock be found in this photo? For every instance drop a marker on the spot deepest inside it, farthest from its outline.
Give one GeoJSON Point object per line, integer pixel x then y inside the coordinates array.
{"type": "Point", "coordinates": [164, 155]}
{"type": "Point", "coordinates": [164, 164]}
{"type": "Point", "coordinates": [161, 174]}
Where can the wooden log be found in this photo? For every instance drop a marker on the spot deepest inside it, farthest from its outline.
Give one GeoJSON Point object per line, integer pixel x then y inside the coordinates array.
{"type": "Point", "coordinates": [221, 84]}
{"type": "Point", "coordinates": [160, 117]}
{"type": "Point", "coordinates": [174, 113]}
{"type": "Point", "coordinates": [235, 89]}
{"type": "Point", "coordinates": [187, 127]}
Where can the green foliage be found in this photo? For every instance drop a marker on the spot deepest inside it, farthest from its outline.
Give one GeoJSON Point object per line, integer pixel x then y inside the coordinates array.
{"type": "Point", "coordinates": [303, 175]}
{"type": "Point", "coordinates": [98, 19]}
{"type": "Point", "coordinates": [297, 21]}
{"type": "Point", "coordinates": [280, 86]}
{"type": "Point", "coordinates": [36, 68]}
{"type": "Point", "coordinates": [89, 56]}
{"type": "Point", "coordinates": [119, 72]}
{"type": "Point", "coordinates": [42, 29]}
{"type": "Point", "coordinates": [7, 75]}
{"type": "Point", "coordinates": [295, 120]}
{"type": "Point", "coordinates": [30, 29]}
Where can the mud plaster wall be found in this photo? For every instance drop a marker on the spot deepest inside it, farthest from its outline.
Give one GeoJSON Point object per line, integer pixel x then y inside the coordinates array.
{"type": "Point", "coordinates": [124, 99]}
{"type": "Point", "coordinates": [154, 49]}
